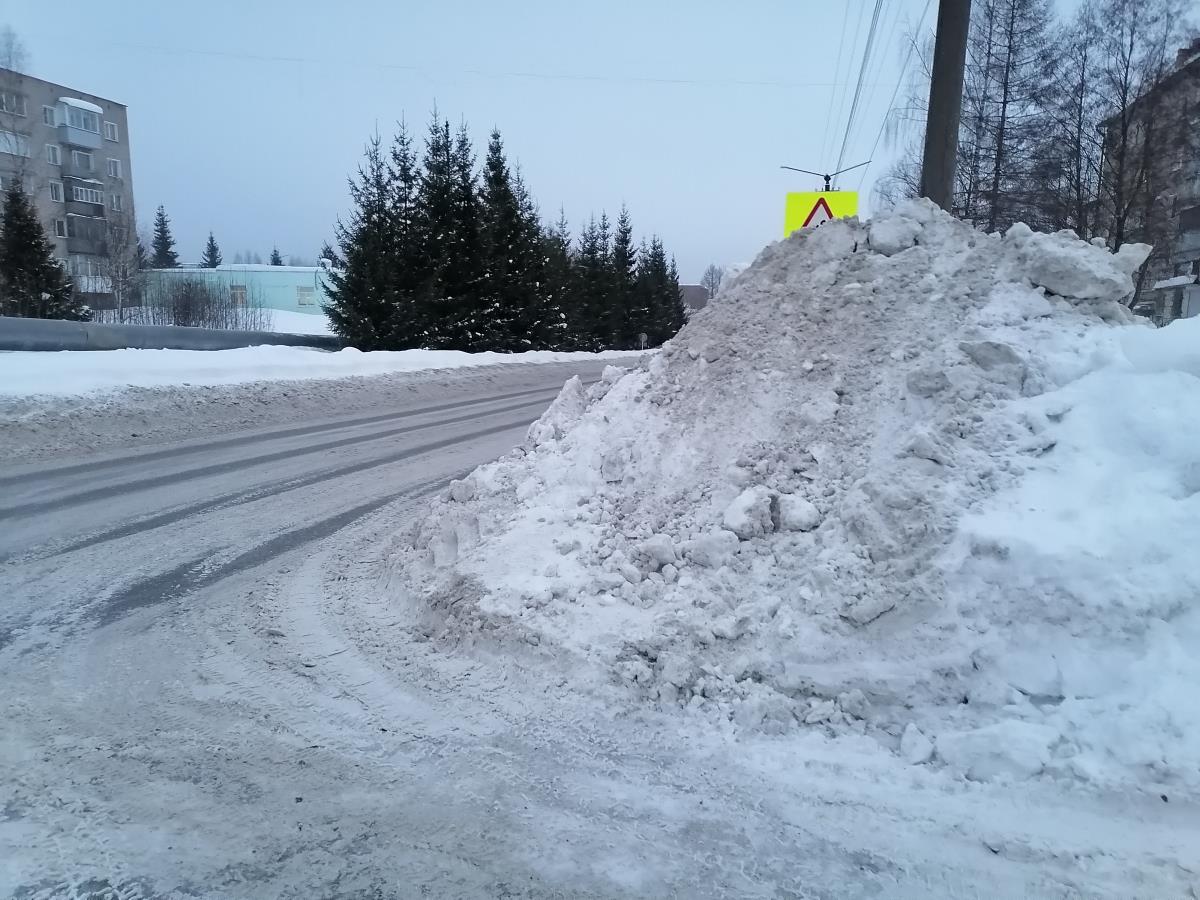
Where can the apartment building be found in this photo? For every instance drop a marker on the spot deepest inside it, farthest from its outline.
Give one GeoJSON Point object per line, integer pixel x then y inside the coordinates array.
{"type": "Point", "coordinates": [70, 150]}
{"type": "Point", "coordinates": [1155, 152]}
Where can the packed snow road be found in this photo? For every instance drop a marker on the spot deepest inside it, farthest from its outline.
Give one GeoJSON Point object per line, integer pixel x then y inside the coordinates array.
{"type": "Point", "coordinates": [207, 691]}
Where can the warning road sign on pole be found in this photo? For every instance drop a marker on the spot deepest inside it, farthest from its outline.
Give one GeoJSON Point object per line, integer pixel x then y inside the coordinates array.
{"type": "Point", "coordinates": [810, 209]}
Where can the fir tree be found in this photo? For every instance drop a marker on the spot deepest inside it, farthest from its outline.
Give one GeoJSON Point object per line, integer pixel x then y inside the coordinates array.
{"type": "Point", "coordinates": [556, 287]}
{"type": "Point", "coordinates": [163, 243]}
{"type": "Point", "coordinates": [32, 283]}
{"type": "Point", "coordinates": [591, 288]}
{"type": "Point", "coordinates": [659, 294]}
{"type": "Point", "coordinates": [212, 253]}
{"type": "Point", "coordinates": [511, 291]}
{"type": "Point", "coordinates": [276, 259]}
{"type": "Point", "coordinates": [624, 280]}
{"type": "Point", "coordinates": [434, 220]}
{"type": "Point", "coordinates": [411, 318]}
{"type": "Point", "coordinates": [474, 325]}
{"type": "Point", "coordinates": [361, 297]}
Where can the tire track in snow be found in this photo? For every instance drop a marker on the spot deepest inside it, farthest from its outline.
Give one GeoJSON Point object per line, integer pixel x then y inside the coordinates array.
{"type": "Point", "coordinates": [222, 468]}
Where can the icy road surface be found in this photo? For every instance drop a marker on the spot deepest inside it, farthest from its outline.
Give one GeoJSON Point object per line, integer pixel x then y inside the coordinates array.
{"type": "Point", "coordinates": [205, 694]}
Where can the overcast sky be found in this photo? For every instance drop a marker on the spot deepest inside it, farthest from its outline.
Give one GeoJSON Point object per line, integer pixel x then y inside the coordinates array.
{"type": "Point", "coordinates": [245, 117]}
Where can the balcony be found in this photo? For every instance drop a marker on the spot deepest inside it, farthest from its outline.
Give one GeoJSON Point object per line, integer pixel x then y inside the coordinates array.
{"type": "Point", "coordinates": [81, 208]}
{"type": "Point", "coordinates": [77, 137]}
{"type": "Point", "coordinates": [90, 246]}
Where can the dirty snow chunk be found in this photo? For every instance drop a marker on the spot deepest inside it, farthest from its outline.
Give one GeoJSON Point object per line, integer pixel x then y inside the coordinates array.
{"type": "Point", "coordinates": [566, 409]}
{"type": "Point", "coordinates": [797, 513]}
{"type": "Point", "coordinates": [1007, 751]}
{"type": "Point", "coordinates": [915, 748]}
{"type": "Point", "coordinates": [660, 549]}
{"type": "Point", "coordinates": [462, 490]}
{"type": "Point", "coordinates": [749, 515]}
{"type": "Point", "coordinates": [713, 549]}
{"type": "Point", "coordinates": [869, 608]}
{"type": "Point", "coordinates": [1064, 265]}
{"type": "Point", "coordinates": [892, 235]}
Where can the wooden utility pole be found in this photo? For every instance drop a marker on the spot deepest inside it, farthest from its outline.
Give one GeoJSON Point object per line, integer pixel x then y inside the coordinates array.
{"type": "Point", "coordinates": [945, 101]}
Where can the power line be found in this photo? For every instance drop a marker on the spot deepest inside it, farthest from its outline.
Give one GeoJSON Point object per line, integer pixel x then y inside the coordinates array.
{"type": "Point", "coordinates": [862, 73]}
{"type": "Point", "coordinates": [837, 69]}
{"type": "Point", "coordinates": [862, 9]}
{"type": "Point", "coordinates": [912, 46]}
{"type": "Point", "coordinates": [325, 62]}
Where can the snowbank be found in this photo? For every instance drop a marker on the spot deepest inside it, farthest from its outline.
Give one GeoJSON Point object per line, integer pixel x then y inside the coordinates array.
{"type": "Point", "coordinates": [286, 321]}
{"type": "Point", "coordinates": [84, 372]}
{"type": "Point", "coordinates": [899, 478]}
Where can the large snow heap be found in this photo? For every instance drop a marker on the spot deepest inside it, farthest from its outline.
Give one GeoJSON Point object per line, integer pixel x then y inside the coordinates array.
{"type": "Point", "coordinates": [900, 478]}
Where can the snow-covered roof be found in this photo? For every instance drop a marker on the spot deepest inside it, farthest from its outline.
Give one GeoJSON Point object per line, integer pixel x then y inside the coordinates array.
{"type": "Point", "coordinates": [81, 104]}
{"type": "Point", "coordinates": [264, 267]}
{"type": "Point", "coordinates": [1177, 281]}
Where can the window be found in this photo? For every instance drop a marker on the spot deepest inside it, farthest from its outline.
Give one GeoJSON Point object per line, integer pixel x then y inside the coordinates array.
{"type": "Point", "coordinates": [48, 116]}
{"type": "Point", "coordinates": [81, 159]}
{"type": "Point", "coordinates": [13, 104]}
{"type": "Point", "coordinates": [53, 155]}
{"type": "Point", "coordinates": [56, 191]}
{"type": "Point", "coordinates": [238, 293]}
{"type": "Point", "coordinates": [60, 227]}
{"type": "Point", "coordinates": [14, 144]}
{"type": "Point", "coordinates": [114, 168]}
{"type": "Point", "coordinates": [116, 203]}
{"type": "Point", "coordinates": [83, 119]}
{"type": "Point", "coordinates": [87, 195]}
{"type": "Point", "coordinates": [110, 131]}
{"type": "Point", "coordinates": [305, 296]}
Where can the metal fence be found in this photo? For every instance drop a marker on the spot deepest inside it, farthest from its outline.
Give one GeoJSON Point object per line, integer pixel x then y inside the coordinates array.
{"type": "Point", "coordinates": [56, 334]}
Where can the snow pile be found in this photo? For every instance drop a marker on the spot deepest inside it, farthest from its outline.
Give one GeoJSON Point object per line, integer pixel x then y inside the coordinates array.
{"type": "Point", "coordinates": [899, 478]}
{"type": "Point", "coordinates": [76, 372]}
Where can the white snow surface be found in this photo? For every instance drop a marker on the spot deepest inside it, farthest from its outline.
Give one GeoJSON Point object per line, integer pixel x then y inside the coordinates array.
{"type": "Point", "coordinates": [286, 321]}
{"type": "Point", "coordinates": [944, 493]}
{"type": "Point", "coordinates": [79, 372]}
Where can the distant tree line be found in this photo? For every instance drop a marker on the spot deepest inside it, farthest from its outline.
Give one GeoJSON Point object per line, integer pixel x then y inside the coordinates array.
{"type": "Point", "coordinates": [1062, 123]}
{"type": "Point", "coordinates": [438, 254]}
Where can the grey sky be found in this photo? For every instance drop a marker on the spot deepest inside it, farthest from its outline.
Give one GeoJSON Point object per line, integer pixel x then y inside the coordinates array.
{"type": "Point", "coordinates": [246, 117]}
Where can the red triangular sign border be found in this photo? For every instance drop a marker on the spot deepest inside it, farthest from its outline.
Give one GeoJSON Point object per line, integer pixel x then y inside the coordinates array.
{"type": "Point", "coordinates": [820, 203]}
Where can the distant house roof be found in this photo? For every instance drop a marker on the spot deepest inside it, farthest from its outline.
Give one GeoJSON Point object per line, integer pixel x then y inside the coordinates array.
{"type": "Point", "coordinates": [695, 296]}
{"type": "Point", "coordinates": [1177, 281]}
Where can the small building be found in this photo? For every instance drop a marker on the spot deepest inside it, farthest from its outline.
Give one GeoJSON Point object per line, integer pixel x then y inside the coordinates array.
{"type": "Point", "coordinates": [1175, 298]}
{"type": "Point", "coordinates": [290, 288]}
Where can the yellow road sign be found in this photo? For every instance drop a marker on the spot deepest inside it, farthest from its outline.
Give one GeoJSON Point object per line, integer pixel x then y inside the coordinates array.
{"type": "Point", "coordinates": [809, 209]}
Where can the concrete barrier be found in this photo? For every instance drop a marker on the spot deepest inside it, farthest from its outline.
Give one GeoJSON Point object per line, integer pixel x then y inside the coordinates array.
{"type": "Point", "coordinates": [57, 334]}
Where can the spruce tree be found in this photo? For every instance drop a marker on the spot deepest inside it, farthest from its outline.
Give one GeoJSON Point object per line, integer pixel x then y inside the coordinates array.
{"type": "Point", "coordinates": [411, 315]}
{"type": "Point", "coordinates": [434, 215]}
{"type": "Point", "coordinates": [557, 287]}
{"type": "Point", "coordinates": [276, 259]}
{"type": "Point", "coordinates": [511, 292]}
{"type": "Point", "coordinates": [361, 305]}
{"type": "Point", "coordinates": [163, 244]}
{"type": "Point", "coordinates": [659, 294]}
{"type": "Point", "coordinates": [212, 253]}
{"type": "Point", "coordinates": [474, 326]}
{"type": "Point", "coordinates": [624, 278]}
{"type": "Point", "coordinates": [591, 288]}
{"type": "Point", "coordinates": [32, 283]}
